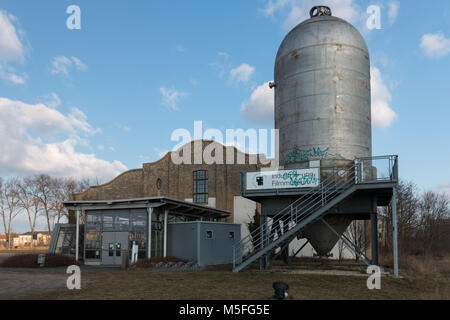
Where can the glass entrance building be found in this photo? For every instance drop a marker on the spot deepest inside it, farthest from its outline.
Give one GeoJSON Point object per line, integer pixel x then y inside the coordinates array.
{"type": "Point", "coordinates": [112, 227]}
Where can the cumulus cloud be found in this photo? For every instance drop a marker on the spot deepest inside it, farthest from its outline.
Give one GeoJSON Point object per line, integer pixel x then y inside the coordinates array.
{"type": "Point", "coordinates": [63, 64]}
{"type": "Point", "coordinates": [23, 131]}
{"type": "Point", "coordinates": [259, 109]}
{"type": "Point", "coordinates": [435, 45]}
{"type": "Point", "coordinates": [171, 97]}
{"type": "Point", "coordinates": [11, 48]}
{"type": "Point", "coordinates": [382, 114]}
{"type": "Point", "coordinates": [242, 73]}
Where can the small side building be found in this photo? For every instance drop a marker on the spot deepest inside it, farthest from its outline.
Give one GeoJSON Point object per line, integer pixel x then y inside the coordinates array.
{"type": "Point", "coordinates": [207, 243]}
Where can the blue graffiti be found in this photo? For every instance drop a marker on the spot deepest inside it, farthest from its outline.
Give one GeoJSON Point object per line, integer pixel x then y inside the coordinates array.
{"type": "Point", "coordinates": [313, 153]}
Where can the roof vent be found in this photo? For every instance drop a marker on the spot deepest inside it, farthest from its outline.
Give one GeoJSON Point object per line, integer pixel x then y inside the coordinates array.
{"type": "Point", "coordinates": [320, 11]}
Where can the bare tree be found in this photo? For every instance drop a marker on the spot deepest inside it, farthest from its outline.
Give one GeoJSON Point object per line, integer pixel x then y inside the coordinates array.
{"type": "Point", "coordinates": [9, 205]}
{"type": "Point", "coordinates": [356, 233]}
{"type": "Point", "coordinates": [45, 195]}
{"type": "Point", "coordinates": [434, 214]}
{"type": "Point", "coordinates": [29, 202]}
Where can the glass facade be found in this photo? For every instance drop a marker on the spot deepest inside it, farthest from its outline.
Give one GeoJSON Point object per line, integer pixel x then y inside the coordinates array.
{"type": "Point", "coordinates": [133, 221]}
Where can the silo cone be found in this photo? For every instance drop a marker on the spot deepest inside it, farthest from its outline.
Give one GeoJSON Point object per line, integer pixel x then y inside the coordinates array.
{"type": "Point", "coordinates": [321, 237]}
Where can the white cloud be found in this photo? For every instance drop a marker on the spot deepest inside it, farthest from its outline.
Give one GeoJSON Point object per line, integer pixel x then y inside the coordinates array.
{"type": "Point", "coordinates": [101, 147]}
{"type": "Point", "coordinates": [51, 100]}
{"type": "Point", "coordinates": [11, 48]}
{"type": "Point", "coordinates": [259, 108]}
{"type": "Point", "coordinates": [272, 7]}
{"type": "Point", "coordinates": [242, 73]}
{"type": "Point", "coordinates": [393, 10]}
{"type": "Point", "coordinates": [80, 65]}
{"type": "Point", "coordinates": [8, 74]}
{"type": "Point", "coordinates": [221, 64]}
{"type": "Point", "coordinates": [63, 64]}
{"type": "Point", "coordinates": [23, 131]}
{"type": "Point", "coordinates": [123, 127]}
{"type": "Point", "coordinates": [160, 152]}
{"type": "Point", "coordinates": [171, 97]}
{"type": "Point", "coordinates": [444, 187]}
{"type": "Point", "coordinates": [382, 114]}
{"type": "Point", "coordinates": [435, 45]}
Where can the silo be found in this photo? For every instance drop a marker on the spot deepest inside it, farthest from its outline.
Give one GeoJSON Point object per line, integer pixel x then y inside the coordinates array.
{"type": "Point", "coordinates": [322, 94]}
{"type": "Point", "coordinates": [322, 103]}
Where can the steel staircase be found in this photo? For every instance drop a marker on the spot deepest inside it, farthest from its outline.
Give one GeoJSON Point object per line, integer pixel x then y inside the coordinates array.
{"type": "Point", "coordinates": [284, 227]}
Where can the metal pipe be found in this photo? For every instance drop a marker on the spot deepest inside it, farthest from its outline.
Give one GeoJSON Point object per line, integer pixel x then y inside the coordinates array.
{"type": "Point", "coordinates": [395, 235]}
{"type": "Point", "coordinates": [165, 232]}
{"type": "Point", "coordinates": [77, 236]}
{"type": "Point", "coordinates": [149, 232]}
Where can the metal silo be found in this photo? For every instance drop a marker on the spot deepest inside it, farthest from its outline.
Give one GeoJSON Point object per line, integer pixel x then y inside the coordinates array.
{"type": "Point", "coordinates": [322, 104]}
{"type": "Point", "coordinates": [322, 94]}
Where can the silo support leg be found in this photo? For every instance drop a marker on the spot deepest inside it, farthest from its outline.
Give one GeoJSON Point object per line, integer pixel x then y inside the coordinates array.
{"type": "Point", "coordinates": [374, 236]}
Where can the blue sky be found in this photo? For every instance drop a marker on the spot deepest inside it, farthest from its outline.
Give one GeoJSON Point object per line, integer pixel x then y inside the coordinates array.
{"type": "Point", "coordinates": [106, 98]}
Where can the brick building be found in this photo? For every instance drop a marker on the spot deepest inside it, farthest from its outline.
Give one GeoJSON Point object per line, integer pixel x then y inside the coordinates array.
{"type": "Point", "coordinates": [216, 185]}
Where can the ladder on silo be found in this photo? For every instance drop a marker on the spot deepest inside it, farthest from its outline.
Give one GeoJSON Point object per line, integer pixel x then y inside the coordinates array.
{"type": "Point", "coordinates": [309, 208]}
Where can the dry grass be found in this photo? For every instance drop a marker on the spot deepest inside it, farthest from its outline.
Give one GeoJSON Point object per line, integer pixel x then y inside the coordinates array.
{"type": "Point", "coordinates": [218, 283]}
{"type": "Point", "coordinates": [422, 279]}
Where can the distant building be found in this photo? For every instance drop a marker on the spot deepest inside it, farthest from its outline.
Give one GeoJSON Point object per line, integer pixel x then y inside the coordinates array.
{"type": "Point", "coordinates": [40, 239]}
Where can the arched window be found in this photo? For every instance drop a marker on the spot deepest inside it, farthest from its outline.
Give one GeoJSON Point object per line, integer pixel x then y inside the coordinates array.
{"type": "Point", "coordinates": [201, 186]}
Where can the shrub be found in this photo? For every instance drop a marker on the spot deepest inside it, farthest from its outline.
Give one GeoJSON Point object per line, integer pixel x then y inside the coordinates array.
{"type": "Point", "coordinates": [30, 261]}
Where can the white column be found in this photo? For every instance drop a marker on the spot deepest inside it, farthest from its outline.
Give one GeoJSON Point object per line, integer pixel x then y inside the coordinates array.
{"type": "Point", "coordinates": [77, 236]}
{"type": "Point", "coordinates": [166, 213]}
{"type": "Point", "coordinates": [149, 232]}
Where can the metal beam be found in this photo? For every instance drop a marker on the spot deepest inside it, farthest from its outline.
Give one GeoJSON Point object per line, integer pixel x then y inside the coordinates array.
{"type": "Point", "coordinates": [347, 242]}
{"type": "Point", "coordinates": [302, 247]}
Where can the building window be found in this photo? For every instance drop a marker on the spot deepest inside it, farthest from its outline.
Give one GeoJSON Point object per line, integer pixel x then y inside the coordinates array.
{"type": "Point", "coordinates": [201, 186]}
{"type": "Point", "coordinates": [209, 234]}
{"type": "Point", "coordinates": [231, 235]}
{"type": "Point", "coordinates": [159, 184]}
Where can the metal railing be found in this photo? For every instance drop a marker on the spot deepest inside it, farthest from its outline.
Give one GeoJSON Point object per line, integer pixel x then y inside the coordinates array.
{"type": "Point", "coordinates": [284, 226]}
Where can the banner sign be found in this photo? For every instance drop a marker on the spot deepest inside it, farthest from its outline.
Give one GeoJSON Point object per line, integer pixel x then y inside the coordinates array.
{"type": "Point", "coordinates": [283, 179]}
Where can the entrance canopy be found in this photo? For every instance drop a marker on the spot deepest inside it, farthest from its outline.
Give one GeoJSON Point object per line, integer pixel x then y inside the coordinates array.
{"type": "Point", "coordinates": [172, 206]}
